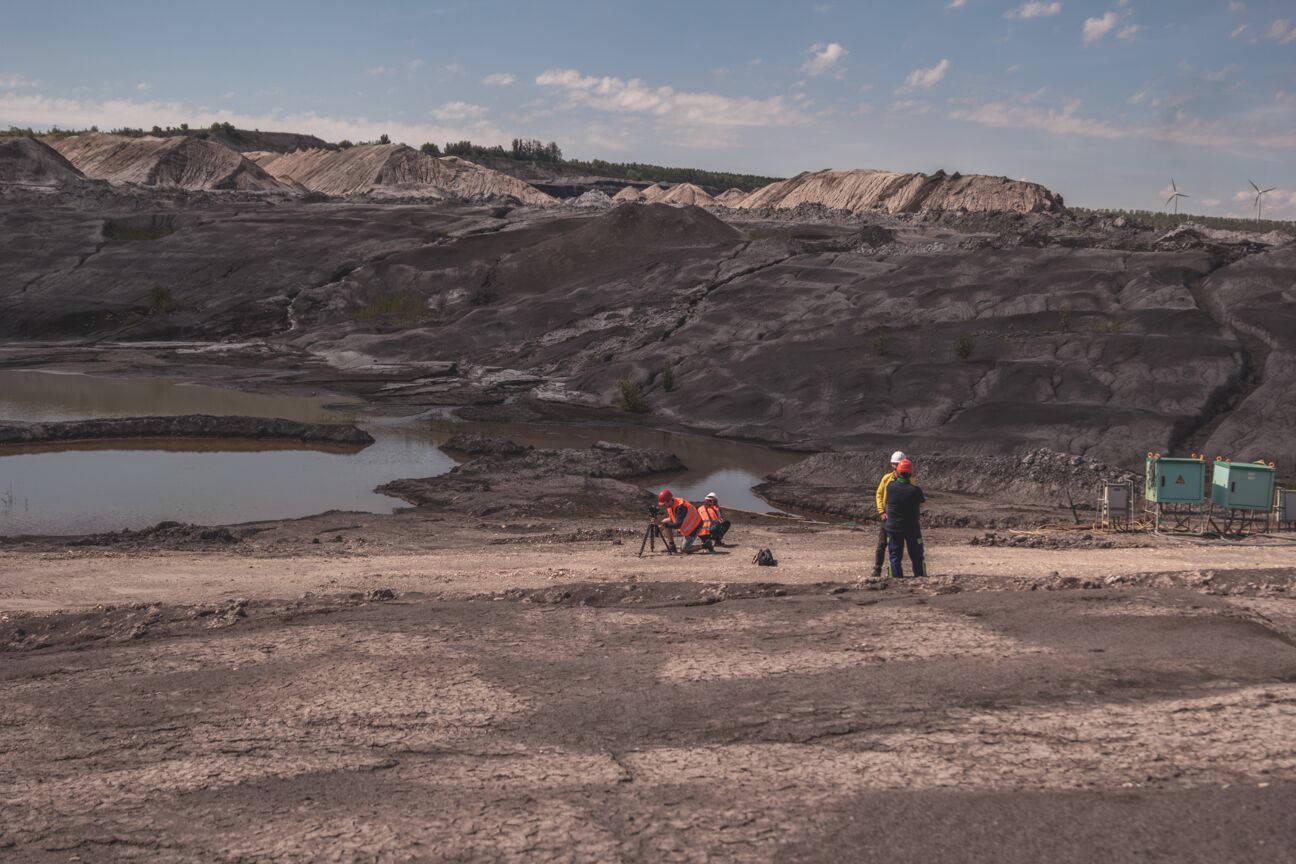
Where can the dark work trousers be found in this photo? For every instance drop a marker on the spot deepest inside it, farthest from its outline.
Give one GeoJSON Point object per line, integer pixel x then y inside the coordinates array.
{"type": "Point", "coordinates": [719, 529]}
{"type": "Point", "coordinates": [879, 557]}
{"type": "Point", "coordinates": [897, 541]}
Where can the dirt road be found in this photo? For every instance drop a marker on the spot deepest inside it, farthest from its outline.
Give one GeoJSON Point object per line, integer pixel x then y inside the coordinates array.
{"type": "Point", "coordinates": [521, 699]}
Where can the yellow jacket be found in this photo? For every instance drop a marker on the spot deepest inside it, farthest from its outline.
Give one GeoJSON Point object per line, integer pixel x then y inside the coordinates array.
{"type": "Point", "coordinates": [881, 492]}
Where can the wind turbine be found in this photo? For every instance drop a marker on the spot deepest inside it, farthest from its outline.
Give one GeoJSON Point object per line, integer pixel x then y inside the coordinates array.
{"type": "Point", "coordinates": [1175, 195]}
{"type": "Point", "coordinates": [1259, 199]}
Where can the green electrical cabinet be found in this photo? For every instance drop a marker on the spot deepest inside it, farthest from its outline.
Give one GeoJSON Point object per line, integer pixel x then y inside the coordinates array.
{"type": "Point", "coordinates": [1174, 481]}
{"type": "Point", "coordinates": [1243, 486]}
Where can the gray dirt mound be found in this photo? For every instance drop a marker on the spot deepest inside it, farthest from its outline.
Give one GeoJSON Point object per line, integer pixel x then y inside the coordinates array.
{"type": "Point", "coordinates": [861, 190]}
{"type": "Point", "coordinates": [164, 535]}
{"type": "Point", "coordinates": [484, 445]}
{"type": "Point", "coordinates": [28, 161]}
{"type": "Point", "coordinates": [634, 229]}
{"type": "Point", "coordinates": [185, 426]}
{"type": "Point", "coordinates": [844, 483]}
{"type": "Point", "coordinates": [541, 482]}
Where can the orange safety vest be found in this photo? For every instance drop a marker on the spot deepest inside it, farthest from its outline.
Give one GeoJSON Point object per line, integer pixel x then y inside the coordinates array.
{"type": "Point", "coordinates": [711, 514]}
{"type": "Point", "coordinates": [692, 519]}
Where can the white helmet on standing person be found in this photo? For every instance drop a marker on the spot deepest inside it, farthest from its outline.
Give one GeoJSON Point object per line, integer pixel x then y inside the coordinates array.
{"type": "Point", "coordinates": [898, 457]}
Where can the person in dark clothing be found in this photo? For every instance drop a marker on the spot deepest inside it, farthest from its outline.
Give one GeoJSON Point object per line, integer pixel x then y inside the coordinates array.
{"type": "Point", "coordinates": [879, 555]}
{"type": "Point", "coordinates": [903, 505]}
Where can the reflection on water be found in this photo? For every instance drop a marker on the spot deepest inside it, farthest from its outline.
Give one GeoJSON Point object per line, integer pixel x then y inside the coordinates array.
{"type": "Point", "coordinates": [88, 487]}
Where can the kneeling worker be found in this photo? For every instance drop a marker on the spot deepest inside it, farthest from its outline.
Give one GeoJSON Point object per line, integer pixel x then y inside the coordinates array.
{"type": "Point", "coordinates": [903, 502]}
{"type": "Point", "coordinates": [682, 518]}
{"type": "Point", "coordinates": [713, 518]}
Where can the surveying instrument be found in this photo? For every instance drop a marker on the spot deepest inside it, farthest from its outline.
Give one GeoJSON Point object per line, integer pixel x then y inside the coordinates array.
{"type": "Point", "coordinates": [653, 533]}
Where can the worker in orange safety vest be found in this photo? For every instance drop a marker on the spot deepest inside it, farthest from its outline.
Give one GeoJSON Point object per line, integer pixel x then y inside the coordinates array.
{"type": "Point", "coordinates": [684, 519]}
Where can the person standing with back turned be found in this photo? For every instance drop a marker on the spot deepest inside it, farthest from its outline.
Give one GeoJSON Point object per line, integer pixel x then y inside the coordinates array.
{"type": "Point", "coordinates": [880, 554]}
{"type": "Point", "coordinates": [903, 503]}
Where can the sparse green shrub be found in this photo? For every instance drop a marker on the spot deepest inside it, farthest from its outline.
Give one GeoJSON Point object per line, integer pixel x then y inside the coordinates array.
{"type": "Point", "coordinates": [345, 144]}
{"type": "Point", "coordinates": [383, 139]}
{"type": "Point", "coordinates": [668, 375]}
{"type": "Point", "coordinates": [882, 343]}
{"type": "Point", "coordinates": [632, 396]}
{"type": "Point", "coordinates": [396, 307]}
{"type": "Point", "coordinates": [1064, 321]}
{"type": "Point", "coordinates": [430, 149]}
{"type": "Point", "coordinates": [161, 301]}
{"type": "Point", "coordinates": [964, 345]}
{"type": "Point", "coordinates": [1109, 325]}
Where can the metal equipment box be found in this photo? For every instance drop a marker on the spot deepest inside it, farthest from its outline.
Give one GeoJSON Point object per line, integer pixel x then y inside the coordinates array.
{"type": "Point", "coordinates": [1242, 486]}
{"type": "Point", "coordinates": [1174, 481]}
{"type": "Point", "coordinates": [1287, 505]}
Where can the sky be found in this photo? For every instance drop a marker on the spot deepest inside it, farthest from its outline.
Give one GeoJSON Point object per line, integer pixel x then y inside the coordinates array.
{"type": "Point", "coordinates": [1103, 102]}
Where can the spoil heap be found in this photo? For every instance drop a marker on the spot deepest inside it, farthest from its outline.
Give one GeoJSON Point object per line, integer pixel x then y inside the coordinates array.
{"type": "Point", "coordinates": [730, 197]}
{"type": "Point", "coordinates": [397, 168]}
{"type": "Point", "coordinates": [183, 162]}
{"type": "Point", "coordinates": [862, 190]}
{"type": "Point", "coordinates": [654, 193]}
{"type": "Point", "coordinates": [32, 162]}
{"type": "Point", "coordinates": [629, 193]}
{"type": "Point", "coordinates": [686, 193]}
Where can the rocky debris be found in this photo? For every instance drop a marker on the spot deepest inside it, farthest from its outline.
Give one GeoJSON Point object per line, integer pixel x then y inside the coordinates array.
{"type": "Point", "coordinates": [397, 169]}
{"type": "Point", "coordinates": [860, 190]}
{"type": "Point", "coordinates": [730, 197]}
{"type": "Point", "coordinates": [484, 445]}
{"type": "Point", "coordinates": [186, 426]}
{"type": "Point", "coordinates": [685, 193]}
{"type": "Point", "coordinates": [187, 163]}
{"type": "Point", "coordinates": [592, 198]}
{"type": "Point", "coordinates": [628, 194]}
{"type": "Point", "coordinates": [164, 535]}
{"type": "Point", "coordinates": [32, 162]}
{"type": "Point", "coordinates": [655, 594]}
{"type": "Point", "coordinates": [534, 482]}
{"type": "Point", "coordinates": [843, 483]}
{"type": "Point", "coordinates": [1056, 540]}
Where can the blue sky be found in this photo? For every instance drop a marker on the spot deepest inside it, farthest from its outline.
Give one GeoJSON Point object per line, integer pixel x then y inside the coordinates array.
{"type": "Point", "coordinates": [1101, 101]}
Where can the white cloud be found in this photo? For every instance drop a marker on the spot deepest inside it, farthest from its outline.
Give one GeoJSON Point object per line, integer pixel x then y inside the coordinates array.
{"type": "Point", "coordinates": [925, 79]}
{"type": "Point", "coordinates": [459, 111]}
{"type": "Point", "coordinates": [1034, 10]}
{"type": "Point", "coordinates": [377, 70]}
{"type": "Point", "coordinates": [956, 4]}
{"type": "Point", "coordinates": [42, 111]}
{"type": "Point", "coordinates": [228, 95]}
{"type": "Point", "coordinates": [452, 68]}
{"type": "Point", "coordinates": [142, 86]}
{"type": "Point", "coordinates": [1219, 74]}
{"type": "Point", "coordinates": [1129, 32]}
{"type": "Point", "coordinates": [677, 107]}
{"type": "Point", "coordinates": [1238, 31]}
{"type": "Point", "coordinates": [1097, 28]}
{"type": "Point", "coordinates": [821, 7]}
{"type": "Point", "coordinates": [1247, 132]}
{"type": "Point", "coordinates": [1281, 31]}
{"type": "Point", "coordinates": [1236, 6]}
{"type": "Point", "coordinates": [1209, 202]}
{"type": "Point", "coordinates": [911, 106]}
{"type": "Point", "coordinates": [823, 57]}
{"type": "Point", "coordinates": [414, 64]}
{"type": "Point", "coordinates": [13, 82]}
{"type": "Point", "coordinates": [499, 79]}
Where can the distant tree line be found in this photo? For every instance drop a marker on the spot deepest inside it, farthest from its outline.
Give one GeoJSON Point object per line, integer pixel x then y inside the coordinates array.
{"type": "Point", "coordinates": [1162, 220]}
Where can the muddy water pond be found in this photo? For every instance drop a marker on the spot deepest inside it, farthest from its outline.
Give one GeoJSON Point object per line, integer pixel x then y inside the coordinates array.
{"type": "Point", "coordinates": [87, 487]}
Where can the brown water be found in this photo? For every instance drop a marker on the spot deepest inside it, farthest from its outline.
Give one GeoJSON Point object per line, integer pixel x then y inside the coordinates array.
{"type": "Point", "coordinates": [87, 487]}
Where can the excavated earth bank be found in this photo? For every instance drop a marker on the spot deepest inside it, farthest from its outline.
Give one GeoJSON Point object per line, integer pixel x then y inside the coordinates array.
{"type": "Point", "coordinates": [187, 426]}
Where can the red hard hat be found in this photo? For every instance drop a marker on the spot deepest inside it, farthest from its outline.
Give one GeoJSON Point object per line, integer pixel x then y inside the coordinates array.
{"type": "Point", "coordinates": [905, 467]}
{"type": "Point", "coordinates": [664, 497]}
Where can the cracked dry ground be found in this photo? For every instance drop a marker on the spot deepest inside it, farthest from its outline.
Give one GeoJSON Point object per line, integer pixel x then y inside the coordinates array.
{"type": "Point", "coordinates": [1102, 725]}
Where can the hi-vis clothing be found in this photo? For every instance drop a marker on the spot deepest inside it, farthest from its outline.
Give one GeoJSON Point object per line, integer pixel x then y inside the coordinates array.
{"type": "Point", "coordinates": [881, 492]}
{"type": "Point", "coordinates": [685, 517]}
{"type": "Point", "coordinates": [711, 515]}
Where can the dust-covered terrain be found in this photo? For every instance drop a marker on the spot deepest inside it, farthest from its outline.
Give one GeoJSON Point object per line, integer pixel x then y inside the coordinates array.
{"type": "Point", "coordinates": [500, 670]}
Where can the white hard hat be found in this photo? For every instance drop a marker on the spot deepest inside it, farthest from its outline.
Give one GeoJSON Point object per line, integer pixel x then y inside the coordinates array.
{"type": "Point", "coordinates": [710, 496]}
{"type": "Point", "coordinates": [898, 457]}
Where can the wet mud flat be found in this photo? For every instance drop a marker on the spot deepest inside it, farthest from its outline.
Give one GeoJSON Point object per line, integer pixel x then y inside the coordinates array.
{"type": "Point", "coordinates": [655, 721]}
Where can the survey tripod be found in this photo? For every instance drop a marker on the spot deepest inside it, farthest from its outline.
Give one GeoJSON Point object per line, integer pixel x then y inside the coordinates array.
{"type": "Point", "coordinates": [653, 533]}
